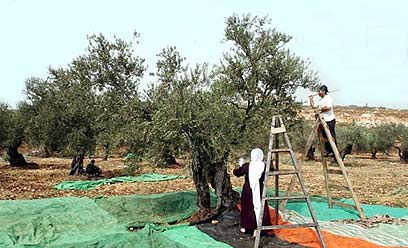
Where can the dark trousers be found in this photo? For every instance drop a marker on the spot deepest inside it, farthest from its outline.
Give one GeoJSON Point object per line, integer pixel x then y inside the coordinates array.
{"type": "Point", "coordinates": [332, 128]}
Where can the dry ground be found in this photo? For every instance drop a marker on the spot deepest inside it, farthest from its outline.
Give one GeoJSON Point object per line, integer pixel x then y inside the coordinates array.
{"type": "Point", "coordinates": [380, 181]}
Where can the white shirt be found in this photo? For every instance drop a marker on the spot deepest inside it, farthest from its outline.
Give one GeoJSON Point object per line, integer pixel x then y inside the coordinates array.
{"type": "Point", "coordinates": [327, 102]}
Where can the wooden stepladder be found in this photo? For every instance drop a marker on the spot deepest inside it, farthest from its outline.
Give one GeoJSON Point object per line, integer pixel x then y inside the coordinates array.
{"type": "Point", "coordinates": [272, 169]}
{"type": "Point", "coordinates": [340, 170]}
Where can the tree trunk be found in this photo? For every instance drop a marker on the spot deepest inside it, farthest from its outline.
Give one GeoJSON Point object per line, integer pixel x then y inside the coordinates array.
{"type": "Point", "coordinates": [404, 157]}
{"type": "Point", "coordinates": [402, 154]}
{"type": "Point", "coordinates": [16, 158]}
{"type": "Point", "coordinates": [220, 181]}
{"type": "Point", "coordinates": [311, 153]}
{"type": "Point", "coordinates": [47, 152]}
{"type": "Point", "coordinates": [106, 148]}
{"type": "Point", "coordinates": [170, 160]}
{"type": "Point", "coordinates": [200, 178]}
{"type": "Point", "coordinates": [347, 150]}
{"type": "Point", "coordinates": [373, 155]}
{"type": "Point", "coordinates": [206, 171]}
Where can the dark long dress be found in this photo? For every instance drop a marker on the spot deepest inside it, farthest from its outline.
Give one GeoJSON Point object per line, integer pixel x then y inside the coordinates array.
{"type": "Point", "coordinates": [248, 218]}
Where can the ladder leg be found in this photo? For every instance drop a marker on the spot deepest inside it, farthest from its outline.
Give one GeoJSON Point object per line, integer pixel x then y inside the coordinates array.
{"type": "Point", "coordinates": [274, 143]}
{"type": "Point", "coordinates": [325, 173]}
{"type": "Point", "coordinates": [343, 168]}
{"type": "Point", "coordinates": [304, 190]}
{"type": "Point", "coordinates": [293, 179]}
{"type": "Point", "coordinates": [269, 163]}
{"type": "Point", "coordinates": [312, 213]}
{"type": "Point", "coordinates": [277, 177]}
{"type": "Point", "coordinates": [276, 190]}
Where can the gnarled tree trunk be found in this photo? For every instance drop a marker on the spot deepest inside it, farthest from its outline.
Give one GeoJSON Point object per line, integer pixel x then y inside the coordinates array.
{"type": "Point", "coordinates": [106, 148]}
{"type": "Point", "coordinates": [16, 158]}
{"type": "Point", "coordinates": [47, 152]}
{"type": "Point", "coordinates": [220, 181]}
{"type": "Point", "coordinates": [403, 155]}
{"type": "Point", "coordinates": [373, 155]}
{"type": "Point", "coordinates": [216, 174]}
{"type": "Point", "coordinates": [199, 166]}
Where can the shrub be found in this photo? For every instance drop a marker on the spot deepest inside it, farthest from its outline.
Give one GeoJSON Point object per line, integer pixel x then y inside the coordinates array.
{"type": "Point", "coordinates": [299, 133]}
{"type": "Point", "coordinates": [131, 164]}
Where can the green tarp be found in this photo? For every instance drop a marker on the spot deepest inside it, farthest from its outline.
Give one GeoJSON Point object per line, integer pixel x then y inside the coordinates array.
{"type": "Point", "coordinates": [91, 184]}
{"type": "Point", "coordinates": [104, 222]}
{"type": "Point", "coordinates": [323, 212]}
{"type": "Point", "coordinates": [84, 222]}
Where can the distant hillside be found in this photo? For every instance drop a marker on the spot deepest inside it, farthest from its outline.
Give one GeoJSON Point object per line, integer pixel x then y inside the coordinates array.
{"type": "Point", "coordinates": [365, 116]}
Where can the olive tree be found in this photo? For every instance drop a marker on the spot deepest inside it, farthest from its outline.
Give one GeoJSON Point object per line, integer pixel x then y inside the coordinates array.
{"type": "Point", "coordinates": [89, 102]}
{"type": "Point", "coordinates": [12, 134]}
{"type": "Point", "coordinates": [215, 111]}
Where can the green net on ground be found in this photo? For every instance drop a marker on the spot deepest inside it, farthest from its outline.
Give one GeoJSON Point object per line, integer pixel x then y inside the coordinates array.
{"type": "Point", "coordinates": [138, 210]}
{"type": "Point", "coordinates": [91, 184]}
{"type": "Point", "coordinates": [323, 212]}
{"type": "Point", "coordinates": [104, 222]}
{"type": "Point", "coordinates": [84, 222]}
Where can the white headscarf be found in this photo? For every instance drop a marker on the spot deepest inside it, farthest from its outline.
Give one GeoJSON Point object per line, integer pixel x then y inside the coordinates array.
{"type": "Point", "coordinates": [256, 168]}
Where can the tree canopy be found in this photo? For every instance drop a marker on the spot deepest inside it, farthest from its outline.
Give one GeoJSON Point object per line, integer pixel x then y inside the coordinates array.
{"type": "Point", "coordinates": [207, 112]}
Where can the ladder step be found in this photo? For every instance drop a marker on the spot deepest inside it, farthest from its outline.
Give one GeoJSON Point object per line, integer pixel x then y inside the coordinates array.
{"type": "Point", "coordinates": [344, 205]}
{"type": "Point", "coordinates": [283, 172]}
{"type": "Point", "coordinates": [295, 197]}
{"type": "Point", "coordinates": [288, 226]}
{"type": "Point", "coordinates": [277, 130]}
{"type": "Point", "coordinates": [338, 187]}
{"type": "Point", "coordinates": [280, 150]}
{"type": "Point", "coordinates": [335, 171]}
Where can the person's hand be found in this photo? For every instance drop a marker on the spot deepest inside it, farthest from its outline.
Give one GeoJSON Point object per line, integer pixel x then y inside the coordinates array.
{"type": "Point", "coordinates": [311, 97]}
{"type": "Point", "coordinates": [241, 162]}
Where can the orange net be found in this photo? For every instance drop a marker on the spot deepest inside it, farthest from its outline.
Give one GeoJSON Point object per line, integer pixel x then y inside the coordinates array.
{"type": "Point", "coordinates": [308, 236]}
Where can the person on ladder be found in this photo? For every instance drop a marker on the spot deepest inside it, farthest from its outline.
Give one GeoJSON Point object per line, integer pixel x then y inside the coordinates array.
{"type": "Point", "coordinates": [325, 107]}
{"type": "Point", "coordinates": [254, 173]}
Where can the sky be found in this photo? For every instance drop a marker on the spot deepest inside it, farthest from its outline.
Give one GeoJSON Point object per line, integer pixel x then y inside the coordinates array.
{"type": "Point", "coordinates": [358, 48]}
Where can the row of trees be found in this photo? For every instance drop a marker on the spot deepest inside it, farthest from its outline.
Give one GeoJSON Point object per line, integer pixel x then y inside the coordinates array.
{"type": "Point", "coordinates": [379, 139]}
{"type": "Point", "coordinates": [209, 113]}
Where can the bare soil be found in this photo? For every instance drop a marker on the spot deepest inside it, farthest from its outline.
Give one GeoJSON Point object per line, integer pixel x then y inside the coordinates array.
{"type": "Point", "coordinates": [381, 181]}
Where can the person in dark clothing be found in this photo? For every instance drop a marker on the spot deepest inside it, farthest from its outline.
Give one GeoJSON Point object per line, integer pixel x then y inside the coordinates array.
{"type": "Point", "coordinates": [92, 169]}
{"type": "Point", "coordinates": [77, 165]}
{"type": "Point", "coordinates": [254, 173]}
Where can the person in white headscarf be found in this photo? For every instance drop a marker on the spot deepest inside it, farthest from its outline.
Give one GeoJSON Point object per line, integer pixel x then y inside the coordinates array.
{"type": "Point", "coordinates": [251, 192]}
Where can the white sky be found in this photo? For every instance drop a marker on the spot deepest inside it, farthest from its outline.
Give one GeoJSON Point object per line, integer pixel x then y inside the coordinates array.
{"type": "Point", "coordinates": [359, 48]}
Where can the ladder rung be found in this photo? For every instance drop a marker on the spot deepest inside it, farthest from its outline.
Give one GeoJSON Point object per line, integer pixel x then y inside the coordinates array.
{"type": "Point", "coordinates": [295, 197]}
{"type": "Point", "coordinates": [288, 226]}
{"type": "Point", "coordinates": [338, 187]}
{"type": "Point", "coordinates": [344, 205]}
{"type": "Point", "coordinates": [283, 172]}
{"type": "Point", "coordinates": [277, 130]}
{"type": "Point", "coordinates": [335, 171]}
{"type": "Point", "coordinates": [281, 150]}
